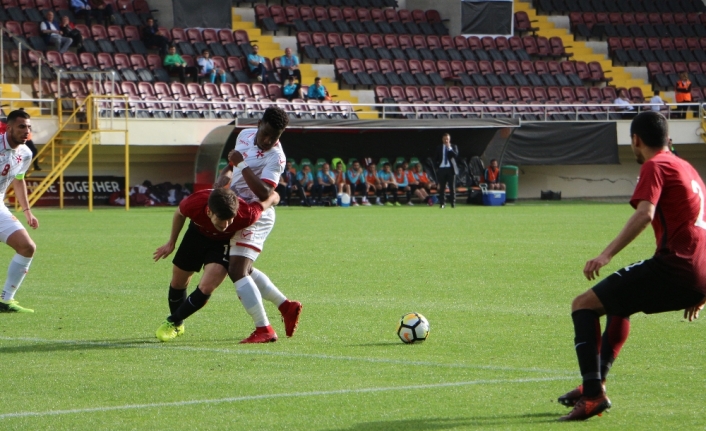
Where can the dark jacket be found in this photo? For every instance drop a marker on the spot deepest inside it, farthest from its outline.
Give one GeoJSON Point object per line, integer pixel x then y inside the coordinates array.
{"type": "Point", "coordinates": [451, 155]}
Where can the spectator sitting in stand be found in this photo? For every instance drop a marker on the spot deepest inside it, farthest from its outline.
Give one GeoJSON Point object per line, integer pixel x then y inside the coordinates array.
{"type": "Point", "coordinates": [372, 182]}
{"type": "Point", "coordinates": [174, 64]}
{"type": "Point", "coordinates": [624, 104]}
{"type": "Point", "coordinates": [68, 29]}
{"type": "Point", "coordinates": [388, 184]}
{"type": "Point", "coordinates": [317, 91]}
{"type": "Point", "coordinates": [326, 183]}
{"type": "Point", "coordinates": [82, 9]}
{"type": "Point", "coordinates": [52, 34]}
{"type": "Point", "coordinates": [102, 10]}
{"type": "Point", "coordinates": [356, 184]}
{"type": "Point", "coordinates": [290, 90]}
{"type": "Point", "coordinates": [207, 68]}
{"type": "Point", "coordinates": [305, 182]}
{"type": "Point", "coordinates": [152, 36]}
{"type": "Point", "coordinates": [256, 63]}
{"type": "Point", "coordinates": [492, 176]}
{"type": "Point", "coordinates": [289, 66]}
{"type": "Point", "coordinates": [657, 104]}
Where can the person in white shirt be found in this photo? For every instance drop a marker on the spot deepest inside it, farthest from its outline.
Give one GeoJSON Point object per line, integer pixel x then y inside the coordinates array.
{"type": "Point", "coordinates": [15, 159]}
{"type": "Point", "coordinates": [52, 35]}
{"type": "Point", "coordinates": [656, 103]}
{"type": "Point", "coordinates": [624, 104]}
{"type": "Point", "coordinates": [207, 68]}
{"type": "Point", "coordinates": [257, 162]}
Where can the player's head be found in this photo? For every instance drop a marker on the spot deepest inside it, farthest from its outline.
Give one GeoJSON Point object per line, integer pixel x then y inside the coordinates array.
{"type": "Point", "coordinates": [648, 131]}
{"type": "Point", "coordinates": [445, 138]}
{"type": "Point", "coordinates": [222, 208]}
{"type": "Point", "coordinates": [386, 167]}
{"type": "Point", "coordinates": [684, 76]}
{"type": "Point", "coordinates": [371, 167]}
{"type": "Point", "coordinates": [325, 167]}
{"type": "Point", "coordinates": [18, 127]}
{"type": "Point", "coordinates": [494, 163]}
{"type": "Point", "coordinates": [405, 166]}
{"type": "Point", "coordinates": [271, 127]}
{"type": "Point", "coordinates": [306, 168]}
{"type": "Point", "coordinates": [356, 165]}
{"type": "Point", "coordinates": [399, 168]}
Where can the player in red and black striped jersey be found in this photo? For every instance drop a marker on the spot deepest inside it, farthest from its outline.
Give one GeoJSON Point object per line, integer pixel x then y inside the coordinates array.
{"type": "Point", "coordinates": [670, 196]}
{"type": "Point", "coordinates": [216, 215]}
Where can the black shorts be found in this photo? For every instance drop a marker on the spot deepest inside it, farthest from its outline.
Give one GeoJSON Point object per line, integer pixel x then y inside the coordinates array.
{"type": "Point", "coordinates": [196, 251]}
{"type": "Point", "coordinates": [649, 286]}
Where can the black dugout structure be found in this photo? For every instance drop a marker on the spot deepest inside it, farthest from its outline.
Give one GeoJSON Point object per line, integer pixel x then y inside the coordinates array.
{"type": "Point", "coordinates": [360, 139]}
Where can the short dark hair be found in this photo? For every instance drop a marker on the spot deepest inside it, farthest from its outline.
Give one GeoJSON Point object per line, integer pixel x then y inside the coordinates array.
{"type": "Point", "coordinates": [318, 78]}
{"type": "Point", "coordinates": [18, 113]}
{"type": "Point", "coordinates": [276, 118]}
{"type": "Point", "coordinates": [223, 202]}
{"type": "Point", "coordinates": [205, 51]}
{"type": "Point", "coordinates": [445, 134]}
{"type": "Point", "coordinates": [652, 128]}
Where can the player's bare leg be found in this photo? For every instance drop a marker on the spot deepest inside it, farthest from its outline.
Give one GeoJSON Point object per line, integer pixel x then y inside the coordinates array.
{"type": "Point", "coordinates": [20, 241]}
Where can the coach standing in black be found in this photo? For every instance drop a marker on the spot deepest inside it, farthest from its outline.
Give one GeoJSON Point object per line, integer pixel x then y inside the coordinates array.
{"type": "Point", "coordinates": [446, 169]}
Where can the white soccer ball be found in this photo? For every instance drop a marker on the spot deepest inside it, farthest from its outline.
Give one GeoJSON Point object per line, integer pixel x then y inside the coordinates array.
{"type": "Point", "coordinates": [413, 328]}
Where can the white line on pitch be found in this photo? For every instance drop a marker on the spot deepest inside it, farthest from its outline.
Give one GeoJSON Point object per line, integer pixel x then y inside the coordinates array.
{"type": "Point", "coordinates": [148, 345]}
{"type": "Point", "coordinates": [271, 396]}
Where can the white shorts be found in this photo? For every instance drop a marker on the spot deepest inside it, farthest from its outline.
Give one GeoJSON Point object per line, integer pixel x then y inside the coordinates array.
{"type": "Point", "coordinates": [248, 242]}
{"type": "Point", "coordinates": [8, 224]}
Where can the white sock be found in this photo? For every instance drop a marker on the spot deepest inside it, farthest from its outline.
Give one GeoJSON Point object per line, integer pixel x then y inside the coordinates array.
{"type": "Point", "coordinates": [19, 265]}
{"type": "Point", "coordinates": [252, 300]}
{"type": "Point", "coordinates": [267, 289]}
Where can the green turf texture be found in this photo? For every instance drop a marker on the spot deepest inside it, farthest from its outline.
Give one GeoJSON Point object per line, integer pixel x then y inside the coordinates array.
{"type": "Point", "coordinates": [495, 283]}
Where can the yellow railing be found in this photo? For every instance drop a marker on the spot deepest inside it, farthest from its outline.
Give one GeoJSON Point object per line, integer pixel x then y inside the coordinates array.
{"type": "Point", "coordinates": [74, 134]}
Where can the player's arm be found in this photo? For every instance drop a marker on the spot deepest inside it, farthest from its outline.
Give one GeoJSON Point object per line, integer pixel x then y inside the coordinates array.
{"type": "Point", "coordinates": [21, 192]}
{"type": "Point", "coordinates": [641, 218]}
{"type": "Point", "coordinates": [271, 201]}
{"type": "Point", "coordinates": [224, 178]}
{"type": "Point", "coordinates": [177, 224]}
{"type": "Point", "coordinates": [261, 189]}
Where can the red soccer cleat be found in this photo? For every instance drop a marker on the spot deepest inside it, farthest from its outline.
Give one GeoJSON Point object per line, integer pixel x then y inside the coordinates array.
{"type": "Point", "coordinates": [587, 408]}
{"type": "Point", "coordinates": [263, 334]}
{"type": "Point", "coordinates": [290, 315]}
{"type": "Point", "coordinates": [570, 398]}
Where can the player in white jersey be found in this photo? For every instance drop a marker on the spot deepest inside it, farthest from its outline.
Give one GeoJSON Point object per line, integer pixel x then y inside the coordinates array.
{"type": "Point", "coordinates": [15, 159]}
{"type": "Point", "coordinates": [256, 165]}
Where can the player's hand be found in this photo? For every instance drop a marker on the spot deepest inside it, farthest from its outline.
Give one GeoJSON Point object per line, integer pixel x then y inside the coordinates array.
{"type": "Point", "coordinates": [692, 313]}
{"type": "Point", "coordinates": [31, 220]}
{"type": "Point", "coordinates": [235, 157]}
{"type": "Point", "coordinates": [591, 270]}
{"type": "Point", "coordinates": [163, 251]}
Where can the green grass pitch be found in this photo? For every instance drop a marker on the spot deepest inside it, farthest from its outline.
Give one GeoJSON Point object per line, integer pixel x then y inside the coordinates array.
{"type": "Point", "coordinates": [495, 283]}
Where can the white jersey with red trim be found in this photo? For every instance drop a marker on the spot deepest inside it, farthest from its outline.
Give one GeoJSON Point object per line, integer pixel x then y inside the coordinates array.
{"type": "Point", "coordinates": [267, 165]}
{"type": "Point", "coordinates": [13, 163]}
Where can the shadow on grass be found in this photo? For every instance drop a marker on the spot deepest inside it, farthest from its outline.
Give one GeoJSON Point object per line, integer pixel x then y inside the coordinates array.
{"type": "Point", "coordinates": [450, 423]}
{"type": "Point", "coordinates": [73, 346]}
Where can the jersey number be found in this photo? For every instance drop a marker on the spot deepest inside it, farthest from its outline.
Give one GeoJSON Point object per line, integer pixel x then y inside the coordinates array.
{"type": "Point", "coordinates": [5, 170]}
{"type": "Point", "coordinates": [700, 219]}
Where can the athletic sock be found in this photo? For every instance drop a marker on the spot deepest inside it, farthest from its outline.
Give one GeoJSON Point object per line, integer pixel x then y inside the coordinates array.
{"type": "Point", "coordinates": [409, 197]}
{"type": "Point", "coordinates": [267, 289]}
{"type": "Point", "coordinates": [587, 328]}
{"type": "Point", "coordinates": [176, 297]}
{"type": "Point", "coordinates": [616, 332]}
{"type": "Point", "coordinates": [250, 296]}
{"type": "Point", "coordinates": [19, 265]}
{"type": "Point", "coordinates": [193, 303]}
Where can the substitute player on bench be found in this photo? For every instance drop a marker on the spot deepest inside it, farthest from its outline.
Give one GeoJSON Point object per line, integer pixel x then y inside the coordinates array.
{"type": "Point", "coordinates": [216, 215]}
{"type": "Point", "coordinates": [258, 161]}
{"type": "Point", "coordinates": [15, 159]}
{"type": "Point", "coordinates": [670, 195]}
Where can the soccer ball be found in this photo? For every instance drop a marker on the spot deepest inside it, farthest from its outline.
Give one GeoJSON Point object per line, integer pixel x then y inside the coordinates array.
{"type": "Point", "coordinates": [413, 328]}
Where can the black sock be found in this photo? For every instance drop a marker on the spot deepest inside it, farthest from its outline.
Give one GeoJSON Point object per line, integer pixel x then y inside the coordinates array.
{"type": "Point", "coordinates": [193, 303]}
{"type": "Point", "coordinates": [176, 298]}
{"type": "Point", "coordinates": [409, 197]}
{"type": "Point", "coordinates": [587, 329]}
